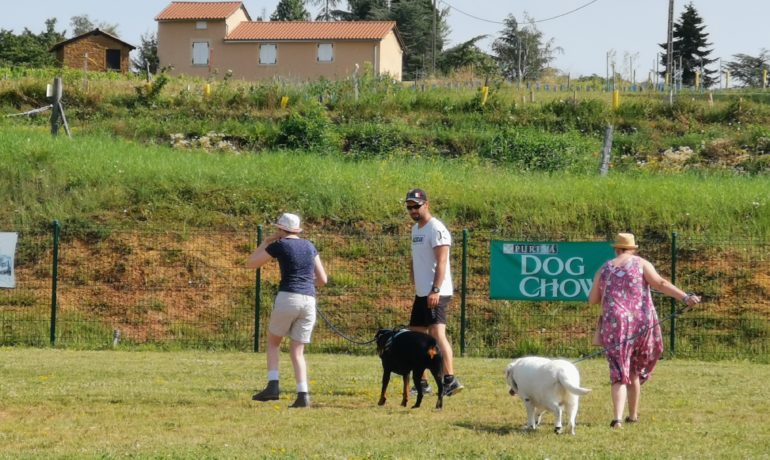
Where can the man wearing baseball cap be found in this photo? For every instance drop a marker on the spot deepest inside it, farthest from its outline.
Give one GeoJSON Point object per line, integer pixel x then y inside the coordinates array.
{"type": "Point", "coordinates": [432, 280]}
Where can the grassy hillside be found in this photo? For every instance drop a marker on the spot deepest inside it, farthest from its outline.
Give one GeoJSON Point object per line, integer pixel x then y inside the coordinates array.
{"type": "Point", "coordinates": [375, 118]}
{"type": "Point", "coordinates": [102, 180]}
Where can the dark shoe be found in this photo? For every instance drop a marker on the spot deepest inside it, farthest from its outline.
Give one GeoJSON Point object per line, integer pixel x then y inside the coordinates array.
{"type": "Point", "coordinates": [452, 387]}
{"type": "Point", "coordinates": [631, 420]}
{"type": "Point", "coordinates": [303, 400]}
{"type": "Point", "coordinates": [270, 393]}
{"type": "Point", "coordinates": [616, 424]}
{"type": "Point", "coordinates": [426, 389]}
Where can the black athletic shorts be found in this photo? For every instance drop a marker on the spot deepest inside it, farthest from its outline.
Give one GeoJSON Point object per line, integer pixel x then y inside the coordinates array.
{"type": "Point", "coordinates": [422, 316]}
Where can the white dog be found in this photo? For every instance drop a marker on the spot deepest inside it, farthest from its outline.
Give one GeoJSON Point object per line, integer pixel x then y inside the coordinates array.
{"type": "Point", "coordinates": [546, 384]}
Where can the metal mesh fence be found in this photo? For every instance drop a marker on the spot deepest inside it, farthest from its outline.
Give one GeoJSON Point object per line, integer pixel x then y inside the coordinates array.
{"type": "Point", "coordinates": [734, 320]}
{"type": "Point", "coordinates": [188, 289]}
{"type": "Point", "coordinates": [25, 310]}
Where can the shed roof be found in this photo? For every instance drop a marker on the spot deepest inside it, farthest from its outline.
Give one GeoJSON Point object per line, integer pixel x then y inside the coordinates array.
{"type": "Point", "coordinates": [96, 31]}
{"type": "Point", "coordinates": [181, 11]}
{"type": "Point", "coordinates": [309, 30]}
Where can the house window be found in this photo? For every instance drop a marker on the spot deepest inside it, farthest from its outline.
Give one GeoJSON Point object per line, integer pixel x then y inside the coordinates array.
{"type": "Point", "coordinates": [200, 53]}
{"type": "Point", "coordinates": [268, 54]}
{"type": "Point", "coordinates": [201, 25]}
{"type": "Point", "coordinates": [325, 52]}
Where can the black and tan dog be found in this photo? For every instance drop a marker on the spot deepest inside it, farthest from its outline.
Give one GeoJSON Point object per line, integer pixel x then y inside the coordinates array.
{"type": "Point", "coordinates": [403, 351]}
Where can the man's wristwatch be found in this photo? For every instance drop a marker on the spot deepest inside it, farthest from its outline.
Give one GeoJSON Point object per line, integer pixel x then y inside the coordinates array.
{"type": "Point", "coordinates": [435, 290]}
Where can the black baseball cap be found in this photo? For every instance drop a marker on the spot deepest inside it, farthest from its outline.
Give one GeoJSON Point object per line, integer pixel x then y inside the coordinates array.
{"type": "Point", "coordinates": [417, 195]}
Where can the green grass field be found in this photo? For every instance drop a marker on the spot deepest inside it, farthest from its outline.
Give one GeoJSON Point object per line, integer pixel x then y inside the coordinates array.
{"type": "Point", "coordinates": [105, 404]}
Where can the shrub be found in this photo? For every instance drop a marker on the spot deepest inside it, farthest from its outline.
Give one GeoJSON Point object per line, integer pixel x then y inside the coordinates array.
{"type": "Point", "coordinates": [307, 128]}
{"type": "Point", "coordinates": [757, 165]}
{"type": "Point", "coordinates": [371, 139]}
{"type": "Point", "coordinates": [632, 144]}
{"type": "Point", "coordinates": [586, 115]}
{"type": "Point", "coordinates": [531, 150]}
{"type": "Point", "coordinates": [26, 93]}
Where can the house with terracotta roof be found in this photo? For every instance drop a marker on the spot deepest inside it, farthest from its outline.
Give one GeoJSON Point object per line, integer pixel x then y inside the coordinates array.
{"type": "Point", "coordinates": [94, 50]}
{"type": "Point", "coordinates": [206, 38]}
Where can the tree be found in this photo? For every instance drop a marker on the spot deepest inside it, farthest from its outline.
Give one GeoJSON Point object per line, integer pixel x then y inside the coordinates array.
{"type": "Point", "coordinates": [28, 49]}
{"type": "Point", "coordinates": [50, 36]}
{"type": "Point", "coordinates": [749, 70]}
{"type": "Point", "coordinates": [290, 10]}
{"type": "Point", "coordinates": [467, 55]}
{"type": "Point", "coordinates": [327, 12]}
{"type": "Point", "coordinates": [415, 22]}
{"type": "Point", "coordinates": [148, 54]}
{"type": "Point", "coordinates": [82, 24]}
{"type": "Point", "coordinates": [521, 52]}
{"type": "Point", "coordinates": [690, 46]}
{"type": "Point", "coordinates": [364, 10]}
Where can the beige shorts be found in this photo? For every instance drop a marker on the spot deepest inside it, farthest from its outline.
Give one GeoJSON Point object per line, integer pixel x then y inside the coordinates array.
{"type": "Point", "coordinates": [293, 315]}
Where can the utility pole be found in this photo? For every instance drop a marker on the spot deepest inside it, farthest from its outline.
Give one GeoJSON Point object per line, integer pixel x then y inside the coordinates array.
{"type": "Point", "coordinates": [670, 43]}
{"type": "Point", "coordinates": [435, 13]}
{"type": "Point", "coordinates": [518, 61]}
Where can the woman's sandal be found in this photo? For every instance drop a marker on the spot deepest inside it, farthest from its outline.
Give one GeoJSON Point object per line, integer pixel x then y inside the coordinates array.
{"type": "Point", "coordinates": [631, 420]}
{"type": "Point", "coordinates": [616, 424]}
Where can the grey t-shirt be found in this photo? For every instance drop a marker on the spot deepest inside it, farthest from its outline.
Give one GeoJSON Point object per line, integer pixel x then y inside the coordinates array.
{"type": "Point", "coordinates": [296, 258]}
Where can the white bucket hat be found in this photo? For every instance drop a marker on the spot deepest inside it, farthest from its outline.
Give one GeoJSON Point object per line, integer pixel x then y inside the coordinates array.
{"type": "Point", "coordinates": [289, 222]}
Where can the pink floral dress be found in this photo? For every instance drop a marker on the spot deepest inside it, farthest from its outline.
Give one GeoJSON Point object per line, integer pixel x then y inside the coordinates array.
{"type": "Point", "coordinates": [630, 330]}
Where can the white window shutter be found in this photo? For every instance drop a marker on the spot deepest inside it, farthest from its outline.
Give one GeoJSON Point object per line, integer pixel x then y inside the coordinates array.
{"type": "Point", "coordinates": [268, 54]}
{"type": "Point", "coordinates": [200, 53]}
{"type": "Point", "coordinates": [325, 52]}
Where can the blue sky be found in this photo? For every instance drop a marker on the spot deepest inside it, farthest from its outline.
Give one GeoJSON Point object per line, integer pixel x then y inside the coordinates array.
{"type": "Point", "coordinates": [631, 28]}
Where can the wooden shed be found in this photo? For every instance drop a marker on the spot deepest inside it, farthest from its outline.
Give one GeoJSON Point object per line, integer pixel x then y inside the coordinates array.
{"type": "Point", "coordinates": [94, 50]}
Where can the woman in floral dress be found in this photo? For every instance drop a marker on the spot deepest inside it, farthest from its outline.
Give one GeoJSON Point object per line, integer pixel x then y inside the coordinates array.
{"type": "Point", "coordinates": [629, 326]}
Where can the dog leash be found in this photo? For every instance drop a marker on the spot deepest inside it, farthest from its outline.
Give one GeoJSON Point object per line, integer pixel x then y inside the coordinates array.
{"type": "Point", "coordinates": [340, 333]}
{"type": "Point", "coordinates": [643, 331]}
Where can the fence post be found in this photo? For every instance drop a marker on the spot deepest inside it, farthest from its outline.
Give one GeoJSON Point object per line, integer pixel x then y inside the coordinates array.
{"type": "Point", "coordinates": [57, 95]}
{"type": "Point", "coordinates": [673, 301]}
{"type": "Point", "coordinates": [463, 291]}
{"type": "Point", "coordinates": [606, 151]}
{"type": "Point", "coordinates": [54, 278]}
{"type": "Point", "coordinates": [257, 296]}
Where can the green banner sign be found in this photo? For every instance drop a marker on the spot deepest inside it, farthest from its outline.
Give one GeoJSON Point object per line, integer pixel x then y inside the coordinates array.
{"type": "Point", "coordinates": [545, 270]}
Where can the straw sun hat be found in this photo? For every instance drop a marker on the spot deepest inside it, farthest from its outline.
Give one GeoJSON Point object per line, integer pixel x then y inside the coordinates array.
{"type": "Point", "coordinates": [624, 241]}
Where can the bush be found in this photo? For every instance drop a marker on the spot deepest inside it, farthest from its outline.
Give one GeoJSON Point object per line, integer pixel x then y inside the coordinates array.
{"type": "Point", "coordinates": [307, 128]}
{"type": "Point", "coordinates": [373, 139]}
{"type": "Point", "coordinates": [586, 115]}
{"type": "Point", "coordinates": [632, 144]}
{"type": "Point", "coordinates": [26, 94]}
{"type": "Point", "coordinates": [531, 150]}
{"type": "Point", "coordinates": [757, 165]}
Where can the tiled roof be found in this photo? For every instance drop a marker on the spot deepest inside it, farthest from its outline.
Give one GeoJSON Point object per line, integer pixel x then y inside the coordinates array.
{"type": "Point", "coordinates": [308, 30]}
{"type": "Point", "coordinates": [198, 10]}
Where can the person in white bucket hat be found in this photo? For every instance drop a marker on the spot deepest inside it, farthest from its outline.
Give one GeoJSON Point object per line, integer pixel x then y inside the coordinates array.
{"type": "Point", "coordinates": [293, 313]}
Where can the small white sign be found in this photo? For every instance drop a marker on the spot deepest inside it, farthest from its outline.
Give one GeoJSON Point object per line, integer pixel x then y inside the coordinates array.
{"type": "Point", "coordinates": [48, 90]}
{"type": "Point", "coordinates": [7, 254]}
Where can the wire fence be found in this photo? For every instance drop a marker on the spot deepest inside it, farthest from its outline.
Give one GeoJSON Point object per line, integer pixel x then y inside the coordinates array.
{"type": "Point", "coordinates": [188, 289]}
